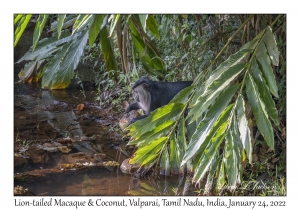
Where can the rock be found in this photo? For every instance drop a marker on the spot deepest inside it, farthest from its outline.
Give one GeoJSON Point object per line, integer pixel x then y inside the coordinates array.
{"type": "Point", "coordinates": [19, 161]}
{"type": "Point", "coordinates": [128, 168]}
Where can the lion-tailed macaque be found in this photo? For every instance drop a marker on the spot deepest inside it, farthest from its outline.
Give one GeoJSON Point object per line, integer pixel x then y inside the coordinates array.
{"type": "Point", "coordinates": [150, 95]}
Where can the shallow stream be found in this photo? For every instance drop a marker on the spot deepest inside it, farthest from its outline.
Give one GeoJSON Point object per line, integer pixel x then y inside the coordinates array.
{"type": "Point", "coordinates": [66, 144]}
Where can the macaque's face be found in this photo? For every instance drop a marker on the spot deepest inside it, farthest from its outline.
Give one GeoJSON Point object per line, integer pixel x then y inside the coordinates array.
{"type": "Point", "coordinates": [143, 97]}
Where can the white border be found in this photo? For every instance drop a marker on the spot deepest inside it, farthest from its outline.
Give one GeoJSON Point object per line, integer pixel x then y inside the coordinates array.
{"type": "Point", "coordinates": [153, 6]}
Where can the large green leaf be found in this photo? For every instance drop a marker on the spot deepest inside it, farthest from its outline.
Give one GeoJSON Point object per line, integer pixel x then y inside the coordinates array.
{"type": "Point", "coordinates": [155, 118]}
{"type": "Point", "coordinates": [214, 89]}
{"type": "Point", "coordinates": [40, 24]}
{"type": "Point", "coordinates": [208, 122]}
{"type": "Point", "coordinates": [60, 71]}
{"type": "Point", "coordinates": [270, 41]}
{"type": "Point", "coordinates": [21, 27]}
{"type": "Point", "coordinates": [259, 110]}
{"type": "Point", "coordinates": [243, 127]}
{"type": "Point", "coordinates": [95, 28]}
{"type": "Point", "coordinates": [265, 94]}
{"type": "Point", "coordinates": [265, 66]}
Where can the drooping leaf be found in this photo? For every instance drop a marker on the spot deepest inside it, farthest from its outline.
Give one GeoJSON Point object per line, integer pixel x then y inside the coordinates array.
{"type": "Point", "coordinates": [61, 69]}
{"type": "Point", "coordinates": [107, 50]}
{"type": "Point", "coordinates": [220, 178]}
{"type": "Point", "coordinates": [144, 54]}
{"type": "Point", "coordinates": [238, 150]}
{"type": "Point", "coordinates": [81, 22]}
{"type": "Point", "coordinates": [143, 19]}
{"type": "Point", "coordinates": [212, 172]}
{"type": "Point", "coordinates": [177, 148]}
{"type": "Point", "coordinates": [259, 110]}
{"type": "Point", "coordinates": [155, 118]}
{"type": "Point", "coordinates": [265, 66]}
{"type": "Point", "coordinates": [115, 19]}
{"type": "Point", "coordinates": [265, 94]}
{"type": "Point", "coordinates": [152, 26]}
{"type": "Point", "coordinates": [165, 163]}
{"type": "Point", "coordinates": [181, 140]}
{"type": "Point", "coordinates": [60, 22]}
{"type": "Point", "coordinates": [54, 66]}
{"type": "Point", "coordinates": [158, 63]}
{"type": "Point", "coordinates": [133, 54]}
{"type": "Point", "coordinates": [17, 18]}
{"type": "Point", "coordinates": [214, 89]}
{"type": "Point", "coordinates": [270, 42]}
{"type": "Point", "coordinates": [29, 69]}
{"type": "Point", "coordinates": [232, 157]}
{"type": "Point", "coordinates": [174, 156]}
{"type": "Point", "coordinates": [68, 22]}
{"type": "Point", "coordinates": [243, 127]}
{"type": "Point", "coordinates": [40, 24]}
{"type": "Point", "coordinates": [208, 122]}
{"type": "Point", "coordinates": [47, 46]}
{"type": "Point", "coordinates": [95, 28]}
{"type": "Point", "coordinates": [21, 27]}
{"type": "Point", "coordinates": [145, 47]}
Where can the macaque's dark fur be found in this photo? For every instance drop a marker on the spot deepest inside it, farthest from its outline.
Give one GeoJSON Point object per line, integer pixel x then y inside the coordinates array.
{"type": "Point", "coordinates": [150, 95]}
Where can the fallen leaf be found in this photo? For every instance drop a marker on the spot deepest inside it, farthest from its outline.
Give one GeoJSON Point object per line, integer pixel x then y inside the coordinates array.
{"type": "Point", "coordinates": [80, 107]}
{"type": "Point", "coordinates": [64, 149]}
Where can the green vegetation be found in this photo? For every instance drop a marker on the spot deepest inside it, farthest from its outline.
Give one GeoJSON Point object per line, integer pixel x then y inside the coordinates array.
{"type": "Point", "coordinates": [235, 126]}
